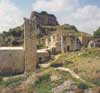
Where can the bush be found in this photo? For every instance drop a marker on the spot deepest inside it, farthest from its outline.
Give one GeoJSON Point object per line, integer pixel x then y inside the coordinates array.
{"type": "Point", "coordinates": [82, 86]}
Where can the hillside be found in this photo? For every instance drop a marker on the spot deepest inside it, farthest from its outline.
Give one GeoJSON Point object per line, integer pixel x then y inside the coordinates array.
{"type": "Point", "coordinates": [46, 24]}
{"type": "Point", "coordinates": [85, 63]}
{"type": "Point", "coordinates": [75, 72]}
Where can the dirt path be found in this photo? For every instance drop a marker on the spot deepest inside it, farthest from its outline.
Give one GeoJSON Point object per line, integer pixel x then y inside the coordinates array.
{"type": "Point", "coordinates": [72, 73]}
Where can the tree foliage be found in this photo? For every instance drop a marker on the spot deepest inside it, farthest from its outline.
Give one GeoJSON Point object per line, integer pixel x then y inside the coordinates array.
{"type": "Point", "coordinates": [97, 33]}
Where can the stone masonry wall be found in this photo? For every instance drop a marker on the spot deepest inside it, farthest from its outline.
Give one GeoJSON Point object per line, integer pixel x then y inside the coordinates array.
{"type": "Point", "coordinates": [11, 62]}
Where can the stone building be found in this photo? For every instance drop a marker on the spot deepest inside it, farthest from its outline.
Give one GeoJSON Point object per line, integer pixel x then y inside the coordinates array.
{"type": "Point", "coordinates": [94, 43]}
{"type": "Point", "coordinates": [61, 41]}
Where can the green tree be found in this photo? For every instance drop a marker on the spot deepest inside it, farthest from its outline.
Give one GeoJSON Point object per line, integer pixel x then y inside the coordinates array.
{"type": "Point", "coordinates": [97, 33]}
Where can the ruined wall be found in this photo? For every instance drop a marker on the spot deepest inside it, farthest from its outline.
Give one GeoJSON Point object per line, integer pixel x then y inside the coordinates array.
{"type": "Point", "coordinates": [30, 45]}
{"type": "Point", "coordinates": [11, 62]}
{"type": "Point", "coordinates": [85, 40]}
{"type": "Point", "coordinates": [16, 60]}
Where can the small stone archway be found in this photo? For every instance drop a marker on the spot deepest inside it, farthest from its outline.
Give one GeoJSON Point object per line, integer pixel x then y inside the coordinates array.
{"type": "Point", "coordinates": [68, 48]}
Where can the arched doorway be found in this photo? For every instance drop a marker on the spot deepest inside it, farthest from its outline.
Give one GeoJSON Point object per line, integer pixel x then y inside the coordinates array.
{"type": "Point", "coordinates": [68, 48]}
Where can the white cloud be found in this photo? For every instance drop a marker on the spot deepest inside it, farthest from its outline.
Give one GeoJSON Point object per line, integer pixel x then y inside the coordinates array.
{"type": "Point", "coordinates": [55, 6]}
{"type": "Point", "coordinates": [10, 15]}
{"type": "Point", "coordinates": [86, 18]}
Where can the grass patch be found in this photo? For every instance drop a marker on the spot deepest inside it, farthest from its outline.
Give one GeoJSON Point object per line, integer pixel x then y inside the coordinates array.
{"type": "Point", "coordinates": [43, 84]}
{"type": "Point", "coordinates": [11, 82]}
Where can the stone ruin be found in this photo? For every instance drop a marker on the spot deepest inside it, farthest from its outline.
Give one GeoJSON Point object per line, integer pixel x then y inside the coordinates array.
{"type": "Point", "coordinates": [17, 60]}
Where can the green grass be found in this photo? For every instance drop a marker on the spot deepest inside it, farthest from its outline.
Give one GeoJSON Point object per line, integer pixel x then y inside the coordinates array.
{"type": "Point", "coordinates": [43, 84]}
{"type": "Point", "coordinates": [11, 82]}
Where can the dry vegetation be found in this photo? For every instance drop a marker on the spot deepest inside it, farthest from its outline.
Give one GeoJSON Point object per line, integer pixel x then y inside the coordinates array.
{"type": "Point", "coordinates": [85, 63]}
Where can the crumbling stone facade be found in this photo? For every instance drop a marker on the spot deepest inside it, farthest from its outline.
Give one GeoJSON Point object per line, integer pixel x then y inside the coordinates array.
{"type": "Point", "coordinates": [62, 41]}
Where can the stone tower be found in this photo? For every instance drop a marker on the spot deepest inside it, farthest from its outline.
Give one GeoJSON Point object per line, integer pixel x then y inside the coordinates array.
{"type": "Point", "coordinates": [30, 45]}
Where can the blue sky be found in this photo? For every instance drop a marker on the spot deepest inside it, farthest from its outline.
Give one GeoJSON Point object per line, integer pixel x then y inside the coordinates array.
{"type": "Point", "coordinates": [27, 4]}
{"type": "Point", "coordinates": [24, 5]}
{"type": "Point", "coordinates": [84, 14]}
{"type": "Point", "coordinates": [90, 2]}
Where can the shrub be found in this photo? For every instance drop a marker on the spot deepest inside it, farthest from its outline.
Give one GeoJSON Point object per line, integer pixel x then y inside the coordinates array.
{"type": "Point", "coordinates": [82, 86]}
